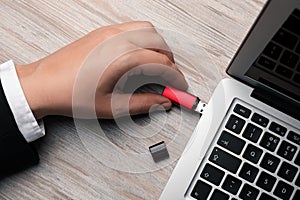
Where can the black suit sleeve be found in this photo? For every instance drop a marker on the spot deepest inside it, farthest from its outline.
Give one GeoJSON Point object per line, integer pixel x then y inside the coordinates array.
{"type": "Point", "coordinates": [15, 152]}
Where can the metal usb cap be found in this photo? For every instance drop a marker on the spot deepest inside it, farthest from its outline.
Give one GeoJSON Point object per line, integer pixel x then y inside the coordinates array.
{"type": "Point", "coordinates": [185, 99]}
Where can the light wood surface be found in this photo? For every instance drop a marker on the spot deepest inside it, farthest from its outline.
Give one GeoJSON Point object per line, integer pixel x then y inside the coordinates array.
{"type": "Point", "coordinates": [30, 30]}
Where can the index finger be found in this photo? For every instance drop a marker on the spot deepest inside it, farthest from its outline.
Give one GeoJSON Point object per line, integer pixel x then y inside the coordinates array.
{"type": "Point", "coordinates": [140, 30]}
{"type": "Point", "coordinates": [134, 25]}
{"type": "Point", "coordinates": [148, 63]}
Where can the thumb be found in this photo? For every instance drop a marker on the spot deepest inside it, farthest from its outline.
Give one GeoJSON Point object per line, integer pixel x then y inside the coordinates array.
{"type": "Point", "coordinates": [140, 103]}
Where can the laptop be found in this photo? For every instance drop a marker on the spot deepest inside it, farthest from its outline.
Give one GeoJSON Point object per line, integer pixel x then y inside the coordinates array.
{"type": "Point", "coordinates": [246, 145]}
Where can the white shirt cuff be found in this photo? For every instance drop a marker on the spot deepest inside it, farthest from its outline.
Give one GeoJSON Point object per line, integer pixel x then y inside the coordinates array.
{"type": "Point", "coordinates": [27, 124]}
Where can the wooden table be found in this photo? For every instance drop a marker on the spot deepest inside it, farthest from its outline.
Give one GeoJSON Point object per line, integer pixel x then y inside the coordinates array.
{"type": "Point", "coordinates": [30, 30]}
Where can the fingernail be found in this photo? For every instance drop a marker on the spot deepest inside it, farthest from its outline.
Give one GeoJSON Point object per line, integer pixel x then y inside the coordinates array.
{"type": "Point", "coordinates": [161, 107]}
{"type": "Point", "coordinates": [167, 105]}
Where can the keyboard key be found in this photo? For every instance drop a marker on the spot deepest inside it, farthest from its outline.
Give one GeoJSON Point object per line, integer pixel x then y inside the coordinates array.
{"type": "Point", "coordinates": [294, 137]}
{"type": "Point", "coordinates": [297, 182]}
{"type": "Point", "coordinates": [260, 120]}
{"type": "Point", "coordinates": [289, 59]}
{"type": "Point", "coordinates": [241, 110]}
{"type": "Point", "coordinates": [225, 160]}
{"type": "Point", "coordinates": [297, 76]}
{"type": "Point", "coordinates": [218, 195]}
{"type": "Point", "coordinates": [252, 132]}
{"type": "Point", "coordinates": [269, 141]}
{"type": "Point", "coordinates": [291, 24]}
{"type": "Point", "coordinates": [231, 142]}
{"type": "Point", "coordinates": [297, 160]}
{"type": "Point", "coordinates": [296, 13]}
{"type": "Point", "coordinates": [283, 71]}
{"type": "Point", "coordinates": [277, 128]}
{"type": "Point", "coordinates": [272, 50]}
{"type": "Point", "coordinates": [235, 124]}
{"type": "Point", "coordinates": [287, 150]}
{"type": "Point", "coordinates": [285, 38]}
{"type": "Point", "coordinates": [265, 196]}
{"type": "Point", "coordinates": [201, 190]}
{"type": "Point", "coordinates": [283, 190]}
{"type": "Point", "coordinates": [212, 174]}
{"type": "Point", "coordinates": [266, 63]}
{"type": "Point", "coordinates": [270, 162]}
{"type": "Point", "coordinates": [298, 48]}
{"type": "Point", "coordinates": [297, 195]}
{"type": "Point", "coordinates": [248, 192]}
{"type": "Point", "coordinates": [231, 184]}
{"type": "Point", "coordinates": [266, 181]}
{"type": "Point", "coordinates": [287, 171]}
{"type": "Point", "coordinates": [248, 172]}
{"type": "Point", "coordinates": [252, 153]}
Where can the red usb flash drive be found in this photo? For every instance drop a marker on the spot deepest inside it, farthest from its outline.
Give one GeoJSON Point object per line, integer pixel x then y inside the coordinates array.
{"type": "Point", "coordinates": [185, 99]}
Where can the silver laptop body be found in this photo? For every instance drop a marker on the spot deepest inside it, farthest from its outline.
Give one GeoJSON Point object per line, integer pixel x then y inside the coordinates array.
{"type": "Point", "coordinates": [247, 143]}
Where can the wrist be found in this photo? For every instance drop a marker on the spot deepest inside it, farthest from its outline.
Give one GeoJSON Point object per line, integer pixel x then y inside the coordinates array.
{"type": "Point", "coordinates": [30, 86]}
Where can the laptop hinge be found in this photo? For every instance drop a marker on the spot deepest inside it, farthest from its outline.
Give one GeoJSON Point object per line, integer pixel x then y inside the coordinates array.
{"type": "Point", "coordinates": [278, 102]}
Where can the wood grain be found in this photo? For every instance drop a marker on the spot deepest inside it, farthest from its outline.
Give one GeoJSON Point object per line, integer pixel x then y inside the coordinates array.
{"type": "Point", "coordinates": [30, 30]}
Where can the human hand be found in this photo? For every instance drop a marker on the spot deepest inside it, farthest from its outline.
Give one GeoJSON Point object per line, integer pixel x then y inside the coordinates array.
{"type": "Point", "coordinates": [84, 75]}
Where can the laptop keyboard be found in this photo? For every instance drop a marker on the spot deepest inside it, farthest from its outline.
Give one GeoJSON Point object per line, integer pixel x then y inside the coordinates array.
{"type": "Point", "coordinates": [252, 157]}
{"type": "Point", "coordinates": [281, 56]}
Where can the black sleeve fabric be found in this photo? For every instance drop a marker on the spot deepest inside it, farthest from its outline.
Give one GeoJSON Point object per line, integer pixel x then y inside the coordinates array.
{"type": "Point", "coordinates": [15, 153]}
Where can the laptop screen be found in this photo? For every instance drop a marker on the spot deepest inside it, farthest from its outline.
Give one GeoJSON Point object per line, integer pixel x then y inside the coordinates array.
{"type": "Point", "coordinates": [269, 57]}
{"type": "Point", "coordinates": [278, 65]}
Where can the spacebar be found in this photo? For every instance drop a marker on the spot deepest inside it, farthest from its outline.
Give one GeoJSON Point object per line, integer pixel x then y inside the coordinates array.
{"type": "Point", "coordinates": [225, 160]}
